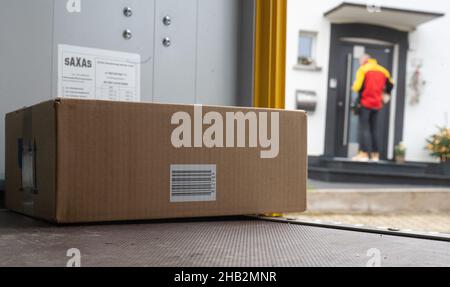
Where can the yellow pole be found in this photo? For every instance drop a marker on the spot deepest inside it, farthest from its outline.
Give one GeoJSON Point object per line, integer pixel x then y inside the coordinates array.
{"type": "Point", "coordinates": [270, 56]}
{"type": "Point", "coordinates": [270, 53]}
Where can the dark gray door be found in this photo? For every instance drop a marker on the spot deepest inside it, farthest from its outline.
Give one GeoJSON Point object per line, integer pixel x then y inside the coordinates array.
{"type": "Point", "coordinates": [347, 123]}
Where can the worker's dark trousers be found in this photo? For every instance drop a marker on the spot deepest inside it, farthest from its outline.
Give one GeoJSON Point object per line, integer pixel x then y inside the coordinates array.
{"type": "Point", "coordinates": [368, 131]}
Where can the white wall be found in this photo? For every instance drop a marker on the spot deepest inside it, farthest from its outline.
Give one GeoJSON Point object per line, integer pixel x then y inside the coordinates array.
{"type": "Point", "coordinates": [308, 15]}
{"type": "Point", "coordinates": [430, 43]}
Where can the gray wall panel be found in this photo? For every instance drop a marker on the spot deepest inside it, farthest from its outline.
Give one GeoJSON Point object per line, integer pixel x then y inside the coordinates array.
{"type": "Point", "coordinates": [175, 65]}
{"type": "Point", "coordinates": [25, 58]}
{"type": "Point", "coordinates": [101, 24]}
{"type": "Point", "coordinates": [210, 60]}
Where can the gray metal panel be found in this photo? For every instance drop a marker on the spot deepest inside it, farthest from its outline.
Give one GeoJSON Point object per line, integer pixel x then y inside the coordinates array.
{"type": "Point", "coordinates": [246, 54]}
{"type": "Point", "coordinates": [175, 66]}
{"type": "Point", "coordinates": [218, 52]}
{"type": "Point", "coordinates": [101, 24]}
{"type": "Point", "coordinates": [225, 52]}
{"type": "Point", "coordinates": [184, 243]}
{"type": "Point", "coordinates": [210, 60]}
{"type": "Point", "coordinates": [25, 53]}
{"type": "Point", "coordinates": [205, 63]}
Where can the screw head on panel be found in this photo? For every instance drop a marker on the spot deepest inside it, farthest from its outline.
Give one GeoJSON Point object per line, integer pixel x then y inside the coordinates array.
{"type": "Point", "coordinates": [166, 42]}
{"type": "Point", "coordinates": [127, 35]}
{"type": "Point", "coordinates": [167, 20]}
{"type": "Point", "coordinates": [127, 12]}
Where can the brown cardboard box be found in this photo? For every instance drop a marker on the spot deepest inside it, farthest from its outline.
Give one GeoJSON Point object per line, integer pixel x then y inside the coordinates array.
{"type": "Point", "coordinates": [74, 161]}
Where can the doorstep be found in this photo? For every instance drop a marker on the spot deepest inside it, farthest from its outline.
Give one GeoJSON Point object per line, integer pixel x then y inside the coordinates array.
{"type": "Point", "coordinates": [330, 169]}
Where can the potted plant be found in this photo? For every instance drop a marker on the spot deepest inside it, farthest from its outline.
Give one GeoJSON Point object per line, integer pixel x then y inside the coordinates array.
{"type": "Point", "coordinates": [305, 61]}
{"type": "Point", "coordinates": [439, 146]}
{"type": "Point", "coordinates": [399, 153]}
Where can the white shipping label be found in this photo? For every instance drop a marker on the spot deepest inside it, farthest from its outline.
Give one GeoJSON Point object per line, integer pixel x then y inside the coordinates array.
{"type": "Point", "coordinates": [192, 182]}
{"type": "Point", "coordinates": [86, 73]}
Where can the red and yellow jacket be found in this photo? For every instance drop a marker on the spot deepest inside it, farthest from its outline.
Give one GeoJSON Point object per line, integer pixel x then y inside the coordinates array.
{"type": "Point", "coordinates": [371, 82]}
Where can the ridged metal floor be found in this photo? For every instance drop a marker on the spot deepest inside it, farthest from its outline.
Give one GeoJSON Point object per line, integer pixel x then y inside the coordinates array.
{"type": "Point", "coordinates": [221, 242]}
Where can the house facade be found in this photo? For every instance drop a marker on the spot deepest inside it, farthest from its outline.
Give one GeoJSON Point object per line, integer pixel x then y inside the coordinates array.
{"type": "Point", "coordinates": [410, 38]}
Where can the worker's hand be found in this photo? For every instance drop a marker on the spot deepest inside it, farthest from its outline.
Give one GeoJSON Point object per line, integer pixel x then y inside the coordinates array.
{"type": "Point", "coordinates": [386, 98]}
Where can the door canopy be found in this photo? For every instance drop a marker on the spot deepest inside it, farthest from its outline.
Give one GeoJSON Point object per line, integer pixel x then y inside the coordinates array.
{"type": "Point", "coordinates": [396, 18]}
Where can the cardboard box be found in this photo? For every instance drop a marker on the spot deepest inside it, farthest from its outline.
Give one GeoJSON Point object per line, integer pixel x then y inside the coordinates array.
{"type": "Point", "coordinates": [75, 161]}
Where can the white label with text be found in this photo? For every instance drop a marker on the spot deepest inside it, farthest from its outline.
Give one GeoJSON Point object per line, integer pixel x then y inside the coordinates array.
{"type": "Point", "coordinates": [86, 73]}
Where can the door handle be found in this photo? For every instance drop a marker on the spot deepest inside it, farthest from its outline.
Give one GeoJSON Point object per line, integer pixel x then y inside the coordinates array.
{"type": "Point", "coordinates": [347, 99]}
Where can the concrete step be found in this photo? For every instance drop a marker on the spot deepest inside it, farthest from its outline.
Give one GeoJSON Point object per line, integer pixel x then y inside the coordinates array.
{"type": "Point", "coordinates": [377, 177]}
{"type": "Point", "coordinates": [383, 172]}
{"type": "Point", "coordinates": [381, 166]}
{"type": "Point", "coordinates": [379, 201]}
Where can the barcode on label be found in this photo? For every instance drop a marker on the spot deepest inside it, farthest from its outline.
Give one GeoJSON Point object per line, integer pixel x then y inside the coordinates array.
{"type": "Point", "coordinates": [192, 182]}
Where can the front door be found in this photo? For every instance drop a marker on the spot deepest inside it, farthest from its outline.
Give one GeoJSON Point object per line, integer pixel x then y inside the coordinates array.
{"type": "Point", "coordinates": [346, 122]}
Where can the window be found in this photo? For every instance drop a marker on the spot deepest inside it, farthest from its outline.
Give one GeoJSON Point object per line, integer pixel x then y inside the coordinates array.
{"type": "Point", "coordinates": [306, 48]}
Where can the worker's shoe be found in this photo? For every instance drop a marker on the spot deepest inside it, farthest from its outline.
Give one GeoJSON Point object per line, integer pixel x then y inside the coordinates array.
{"type": "Point", "coordinates": [361, 156]}
{"type": "Point", "coordinates": [375, 157]}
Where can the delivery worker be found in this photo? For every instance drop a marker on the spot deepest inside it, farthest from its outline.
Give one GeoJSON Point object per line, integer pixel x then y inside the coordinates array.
{"type": "Point", "coordinates": [372, 83]}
